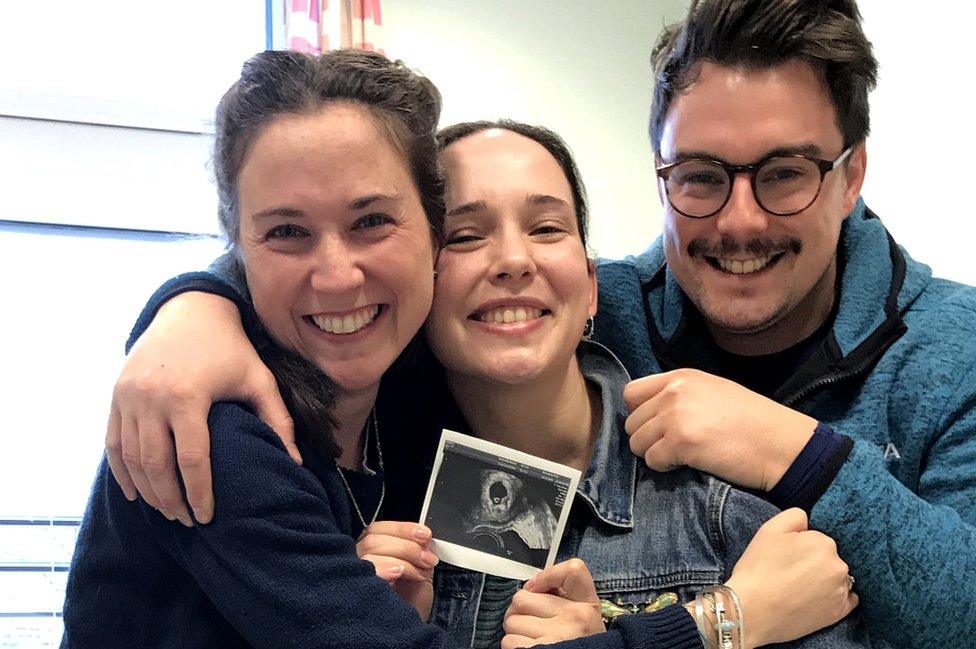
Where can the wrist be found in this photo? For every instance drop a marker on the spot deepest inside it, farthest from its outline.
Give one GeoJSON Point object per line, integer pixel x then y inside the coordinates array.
{"type": "Point", "coordinates": [756, 635]}
{"type": "Point", "coordinates": [791, 440]}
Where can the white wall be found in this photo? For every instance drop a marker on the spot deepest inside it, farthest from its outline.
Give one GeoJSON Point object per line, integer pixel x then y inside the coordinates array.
{"type": "Point", "coordinates": [921, 166]}
{"type": "Point", "coordinates": [579, 67]}
{"type": "Point", "coordinates": [584, 72]}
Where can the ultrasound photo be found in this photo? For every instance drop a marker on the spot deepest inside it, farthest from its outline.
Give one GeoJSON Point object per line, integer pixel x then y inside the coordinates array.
{"type": "Point", "coordinates": [489, 501]}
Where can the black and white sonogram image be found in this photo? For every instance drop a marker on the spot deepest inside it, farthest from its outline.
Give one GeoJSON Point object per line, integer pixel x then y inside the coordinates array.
{"type": "Point", "coordinates": [496, 505]}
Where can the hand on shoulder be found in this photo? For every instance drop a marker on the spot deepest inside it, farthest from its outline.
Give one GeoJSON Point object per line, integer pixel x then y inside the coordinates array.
{"type": "Point", "coordinates": [193, 354]}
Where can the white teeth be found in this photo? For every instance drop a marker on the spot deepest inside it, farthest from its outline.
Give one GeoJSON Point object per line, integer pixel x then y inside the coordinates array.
{"type": "Point", "coordinates": [347, 324]}
{"type": "Point", "coordinates": [505, 315]}
{"type": "Point", "coordinates": [743, 267]}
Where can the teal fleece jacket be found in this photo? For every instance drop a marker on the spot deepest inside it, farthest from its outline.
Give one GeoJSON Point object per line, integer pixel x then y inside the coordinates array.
{"type": "Point", "coordinates": [897, 374]}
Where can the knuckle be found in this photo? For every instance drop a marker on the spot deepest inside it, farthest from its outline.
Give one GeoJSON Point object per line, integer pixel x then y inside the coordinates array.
{"type": "Point", "coordinates": [674, 388]}
{"type": "Point", "coordinates": [177, 387]}
{"type": "Point", "coordinates": [263, 379]}
{"type": "Point", "coordinates": [655, 462]}
{"type": "Point", "coordinates": [141, 388]}
{"type": "Point", "coordinates": [192, 458]}
{"type": "Point", "coordinates": [518, 600]}
{"type": "Point", "coordinates": [370, 529]}
{"type": "Point", "coordinates": [799, 515]}
{"type": "Point", "coordinates": [131, 458]}
{"type": "Point", "coordinates": [113, 444]}
{"type": "Point", "coordinates": [156, 465]}
{"type": "Point", "coordinates": [829, 544]}
{"type": "Point", "coordinates": [168, 503]}
{"type": "Point", "coordinates": [127, 387]}
{"type": "Point", "coordinates": [576, 567]}
{"type": "Point", "coordinates": [375, 544]}
{"type": "Point", "coordinates": [368, 544]}
{"type": "Point", "coordinates": [151, 389]}
{"type": "Point", "coordinates": [636, 444]}
{"type": "Point", "coordinates": [514, 625]}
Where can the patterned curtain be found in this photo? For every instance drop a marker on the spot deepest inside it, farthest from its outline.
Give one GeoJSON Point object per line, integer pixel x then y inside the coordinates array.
{"type": "Point", "coordinates": [320, 25]}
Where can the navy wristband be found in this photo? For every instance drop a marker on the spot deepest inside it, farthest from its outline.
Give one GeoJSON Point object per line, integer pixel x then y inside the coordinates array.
{"type": "Point", "coordinates": [813, 470]}
{"type": "Point", "coordinates": [672, 626]}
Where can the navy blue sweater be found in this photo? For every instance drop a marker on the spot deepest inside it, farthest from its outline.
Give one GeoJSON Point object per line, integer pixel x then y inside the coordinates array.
{"type": "Point", "coordinates": [277, 567]}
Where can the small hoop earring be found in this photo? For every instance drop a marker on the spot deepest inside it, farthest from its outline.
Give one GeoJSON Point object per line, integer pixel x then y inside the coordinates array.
{"type": "Point", "coordinates": [589, 328]}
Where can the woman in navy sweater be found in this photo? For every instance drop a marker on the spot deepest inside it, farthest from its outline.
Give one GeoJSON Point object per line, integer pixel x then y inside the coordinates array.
{"type": "Point", "coordinates": [331, 202]}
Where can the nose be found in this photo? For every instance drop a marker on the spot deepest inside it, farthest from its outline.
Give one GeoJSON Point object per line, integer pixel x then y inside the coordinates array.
{"type": "Point", "coordinates": [512, 257]}
{"type": "Point", "coordinates": [335, 267]}
{"type": "Point", "coordinates": [742, 217]}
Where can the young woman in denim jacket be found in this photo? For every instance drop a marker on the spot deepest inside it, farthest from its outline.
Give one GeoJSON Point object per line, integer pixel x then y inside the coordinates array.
{"type": "Point", "coordinates": [512, 299]}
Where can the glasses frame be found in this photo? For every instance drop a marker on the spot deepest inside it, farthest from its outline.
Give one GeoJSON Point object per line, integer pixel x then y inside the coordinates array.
{"type": "Point", "coordinates": [825, 167]}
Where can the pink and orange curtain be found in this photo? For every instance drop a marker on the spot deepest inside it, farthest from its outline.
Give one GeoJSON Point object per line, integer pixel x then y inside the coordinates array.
{"type": "Point", "coordinates": [320, 25]}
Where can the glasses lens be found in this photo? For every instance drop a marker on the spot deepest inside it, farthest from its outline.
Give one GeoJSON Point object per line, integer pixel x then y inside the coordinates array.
{"type": "Point", "coordinates": [787, 185]}
{"type": "Point", "coordinates": [697, 187]}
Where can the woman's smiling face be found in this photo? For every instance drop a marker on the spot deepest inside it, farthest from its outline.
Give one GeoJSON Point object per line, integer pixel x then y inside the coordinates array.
{"type": "Point", "coordinates": [514, 286]}
{"type": "Point", "coordinates": [335, 243]}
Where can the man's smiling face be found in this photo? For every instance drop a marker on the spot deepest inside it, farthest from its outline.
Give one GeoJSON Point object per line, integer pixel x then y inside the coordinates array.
{"type": "Point", "coordinates": [755, 276]}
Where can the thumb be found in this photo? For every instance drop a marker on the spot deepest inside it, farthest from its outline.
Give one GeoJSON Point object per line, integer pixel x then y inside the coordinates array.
{"type": "Point", "coordinates": [790, 520]}
{"type": "Point", "coordinates": [640, 390]}
{"type": "Point", "coordinates": [271, 410]}
{"type": "Point", "coordinates": [570, 579]}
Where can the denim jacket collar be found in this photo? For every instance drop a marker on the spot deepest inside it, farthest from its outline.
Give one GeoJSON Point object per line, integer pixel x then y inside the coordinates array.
{"type": "Point", "coordinates": [609, 481]}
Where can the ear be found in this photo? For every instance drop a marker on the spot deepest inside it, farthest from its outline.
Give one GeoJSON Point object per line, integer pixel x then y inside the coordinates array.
{"type": "Point", "coordinates": [854, 174]}
{"type": "Point", "coordinates": [594, 295]}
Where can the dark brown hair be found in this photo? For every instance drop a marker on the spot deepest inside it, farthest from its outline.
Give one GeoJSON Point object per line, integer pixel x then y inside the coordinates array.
{"type": "Point", "coordinates": [554, 144]}
{"type": "Point", "coordinates": [765, 33]}
{"type": "Point", "coordinates": [276, 83]}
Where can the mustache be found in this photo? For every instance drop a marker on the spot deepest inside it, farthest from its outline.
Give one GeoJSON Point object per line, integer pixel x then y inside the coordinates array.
{"type": "Point", "coordinates": [728, 246]}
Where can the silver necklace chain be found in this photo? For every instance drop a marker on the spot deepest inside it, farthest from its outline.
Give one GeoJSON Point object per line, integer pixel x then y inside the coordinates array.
{"type": "Point", "coordinates": [375, 429]}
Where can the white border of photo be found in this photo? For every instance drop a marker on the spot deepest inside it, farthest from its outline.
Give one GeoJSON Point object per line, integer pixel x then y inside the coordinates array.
{"type": "Point", "coordinates": [477, 560]}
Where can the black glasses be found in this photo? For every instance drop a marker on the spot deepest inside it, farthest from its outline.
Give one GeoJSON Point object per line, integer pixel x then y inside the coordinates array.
{"type": "Point", "coordinates": [782, 184]}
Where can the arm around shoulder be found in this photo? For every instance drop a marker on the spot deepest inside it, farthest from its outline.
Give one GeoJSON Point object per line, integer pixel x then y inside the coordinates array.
{"type": "Point", "coordinates": [190, 350]}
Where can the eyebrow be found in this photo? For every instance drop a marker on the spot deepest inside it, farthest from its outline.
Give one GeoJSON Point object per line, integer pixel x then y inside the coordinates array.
{"type": "Point", "coordinates": [481, 206]}
{"type": "Point", "coordinates": [287, 212]}
{"type": "Point", "coordinates": [809, 149]}
{"type": "Point", "coordinates": [545, 199]}
{"type": "Point", "coordinates": [468, 208]}
{"type": "Point", "coordinates": [366, 201]}
{"type": "Point", "coordinates": [295, 213]}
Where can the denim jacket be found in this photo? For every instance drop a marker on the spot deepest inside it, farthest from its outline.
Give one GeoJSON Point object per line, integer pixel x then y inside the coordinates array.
{"type": "Point", "coordinates": [641, 533]}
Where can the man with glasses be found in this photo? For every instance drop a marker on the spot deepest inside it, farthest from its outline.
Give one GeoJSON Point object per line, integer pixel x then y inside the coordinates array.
{"type": "Point", "coordinates": [787, 344]}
